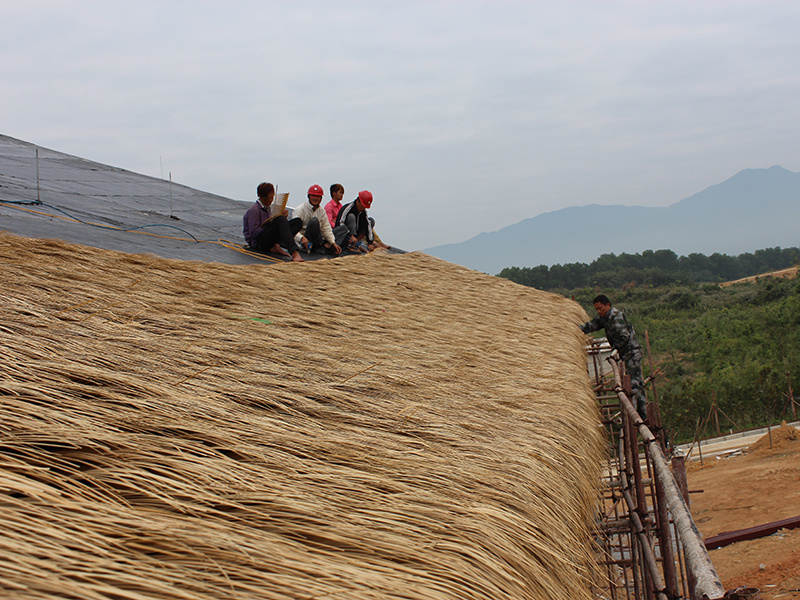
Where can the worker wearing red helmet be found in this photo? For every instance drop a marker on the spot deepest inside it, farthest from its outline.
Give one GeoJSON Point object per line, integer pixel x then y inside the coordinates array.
{"type": "Point", "coordinates": [315, 230]}
{"type": "Point", "coordinates": [359, 236]}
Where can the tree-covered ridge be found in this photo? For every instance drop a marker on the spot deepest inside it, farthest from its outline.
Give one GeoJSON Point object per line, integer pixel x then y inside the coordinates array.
{"type": "Point", "coordinates": [737, 347]}
{"type": "Point", "coordinates": [653, 267]}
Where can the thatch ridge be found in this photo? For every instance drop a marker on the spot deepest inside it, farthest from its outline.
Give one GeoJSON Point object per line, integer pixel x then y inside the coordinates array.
{"type": "Point", "coordinates": [368, 427]}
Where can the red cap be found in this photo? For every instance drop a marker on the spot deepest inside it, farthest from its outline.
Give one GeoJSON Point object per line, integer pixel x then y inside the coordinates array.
{"type": "Point", "coordinates": [366, 198]}
{"type": "Point", "coordinates": [315, 190]}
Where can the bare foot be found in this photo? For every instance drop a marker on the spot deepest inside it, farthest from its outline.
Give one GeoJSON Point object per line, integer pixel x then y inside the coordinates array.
{"type": "Point", "coordinates": [276, 249]}
{"type": "Point", "coordinates": [296, 257]}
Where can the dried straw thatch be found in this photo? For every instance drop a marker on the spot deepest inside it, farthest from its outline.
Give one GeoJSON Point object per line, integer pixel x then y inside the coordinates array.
{"type": "Point", "coordinates": [371, 427]}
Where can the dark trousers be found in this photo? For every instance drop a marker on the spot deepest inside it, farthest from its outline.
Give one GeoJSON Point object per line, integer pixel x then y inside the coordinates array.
{"type": "Point", "coordinates": [633, 367]}
{"type": "Point", "coordinates": [314, 234]}
{"type": "Point", "coordinates": [279, 230]}
{"type": "Point", "coordinates": [357, 227]}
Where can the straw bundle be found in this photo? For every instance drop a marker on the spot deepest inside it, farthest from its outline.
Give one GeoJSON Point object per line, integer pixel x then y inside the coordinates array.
{"type": "Point", "coordinates": [369, 427]}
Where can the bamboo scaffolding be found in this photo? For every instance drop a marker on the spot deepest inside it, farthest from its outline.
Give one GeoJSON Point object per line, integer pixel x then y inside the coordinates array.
{"type": "Point", "coordinates": [707, 582]}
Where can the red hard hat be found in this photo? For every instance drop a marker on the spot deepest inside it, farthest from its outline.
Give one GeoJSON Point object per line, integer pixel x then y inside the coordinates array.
{"type": "Point", "coordinates": [315, 190]}
{"type": "Point", "coordinates": [366, 198]}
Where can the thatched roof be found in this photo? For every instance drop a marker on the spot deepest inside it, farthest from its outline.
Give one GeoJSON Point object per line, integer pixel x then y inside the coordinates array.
{"type": "Point", "coordinates": [367, 427]}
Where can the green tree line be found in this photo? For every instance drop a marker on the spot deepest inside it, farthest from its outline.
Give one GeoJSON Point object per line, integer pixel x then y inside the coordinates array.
{"type": "Point", "coordinates": [653, 267]}
{"type": "Point", "coordinates": [735, 348]}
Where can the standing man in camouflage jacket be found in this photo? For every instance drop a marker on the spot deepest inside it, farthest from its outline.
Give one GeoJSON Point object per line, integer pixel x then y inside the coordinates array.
{"type": "Point", "coordinates": [622, 337]}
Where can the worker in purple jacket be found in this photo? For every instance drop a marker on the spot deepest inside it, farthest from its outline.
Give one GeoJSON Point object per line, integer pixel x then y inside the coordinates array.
{"type": "Point", "coordinates": [266, 232]}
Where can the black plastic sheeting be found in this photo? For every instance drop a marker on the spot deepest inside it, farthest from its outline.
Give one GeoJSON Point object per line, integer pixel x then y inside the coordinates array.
{"type": "Point", "coordinates": [89, 203]}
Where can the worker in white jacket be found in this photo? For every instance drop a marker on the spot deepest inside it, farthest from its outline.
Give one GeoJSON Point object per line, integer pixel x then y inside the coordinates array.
{"type": "Point", "coordinates": [316, 232]}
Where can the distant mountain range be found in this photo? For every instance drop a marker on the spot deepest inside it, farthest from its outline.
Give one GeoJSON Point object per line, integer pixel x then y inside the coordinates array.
{"type": "Point", "coordinates": [756, 208]}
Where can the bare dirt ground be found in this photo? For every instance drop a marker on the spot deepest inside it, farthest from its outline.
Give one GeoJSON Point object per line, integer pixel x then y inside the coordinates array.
{"type": "Point", "coordinates": [742, 491]}
{"type": "Point", "coordinates": [789, 273]}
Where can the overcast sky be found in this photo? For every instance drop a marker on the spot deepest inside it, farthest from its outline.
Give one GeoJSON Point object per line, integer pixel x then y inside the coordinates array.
{"type": "Point", "coordinates": [460, 117]}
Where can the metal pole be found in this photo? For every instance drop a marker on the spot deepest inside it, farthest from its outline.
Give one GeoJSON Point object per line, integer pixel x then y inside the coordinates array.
{"type": "Point", "coordinates": [665, 539]}
{"type": "Point", "coordinates": [679, 472]}
{"type": "Point", "coordinates": [641, 502]}
{"type": "Point", "coordinates": [687, 579]}
{"type": "Point", "coordinates": [596, 364]}
{"type": "Point", "coordinates": [625, 469]}
{"type": "Point", "coordinates": [652, 576]}
{"type": "Point", "coordinates": [624, 462]}
{"type": "Point", "coordinates": [38, 193]}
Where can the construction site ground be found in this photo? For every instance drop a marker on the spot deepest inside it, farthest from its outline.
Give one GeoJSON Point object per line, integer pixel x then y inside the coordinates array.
{"type": "Point", "coordinates": [744, 490]}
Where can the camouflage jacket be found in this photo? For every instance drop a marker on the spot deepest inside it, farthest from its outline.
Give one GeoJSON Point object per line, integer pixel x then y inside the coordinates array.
{"type": "Point", "coordinates": [619, 331]}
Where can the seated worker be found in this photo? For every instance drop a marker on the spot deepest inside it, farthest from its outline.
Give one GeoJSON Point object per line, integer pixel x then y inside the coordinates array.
{"type": "Point", "coordinates": [334, 205]}
{"type": "Point", "coordinates": [266, 232]}
{"type": "Point", "coordinates": [622, 337]}
{"type": "Point", "coordinates": [315, 229]}
{"type": "Point", "coordinates": [359, 225]}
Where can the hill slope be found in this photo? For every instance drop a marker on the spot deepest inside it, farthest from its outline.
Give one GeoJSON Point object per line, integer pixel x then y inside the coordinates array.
{"type": "Point", "coordinates": [756, 208]}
